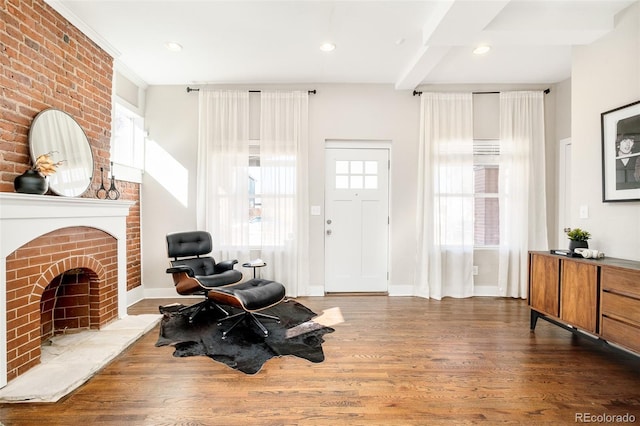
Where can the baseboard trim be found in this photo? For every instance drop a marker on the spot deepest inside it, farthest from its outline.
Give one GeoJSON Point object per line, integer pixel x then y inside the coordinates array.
{"type": "Point", "coordinates": [160, 293]}
{"type": "Point", "coordinates": [486, 290]}
{"type": "Point", "coordinates": [135, 295]}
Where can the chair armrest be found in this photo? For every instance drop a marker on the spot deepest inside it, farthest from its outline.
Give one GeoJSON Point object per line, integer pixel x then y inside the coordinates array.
{"type": "Point", "coordinates": [181, 268]}
{"type": "Point", "coordinates": [225, 265]}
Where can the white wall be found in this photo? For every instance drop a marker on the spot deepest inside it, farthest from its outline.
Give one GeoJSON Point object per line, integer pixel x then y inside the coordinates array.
{"type": "Point", "coordinates": [171, 119]}
{"type": "Point", "coordinates": [373, 112]}
{"type": "Point", "coordinates": [605, 75]}
{"type": "Point", "coordinates": [349, 111]}
{"type": "Point", "coordinates": [563, 109]}
{"type": "Point", "coordinates": [337, 111]}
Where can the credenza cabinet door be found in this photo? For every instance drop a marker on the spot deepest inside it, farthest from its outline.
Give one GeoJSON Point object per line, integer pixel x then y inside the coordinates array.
{"type": "Point", "coordinates": [544, 294]}
{"type": "Point", "coordinates": [579, 294]}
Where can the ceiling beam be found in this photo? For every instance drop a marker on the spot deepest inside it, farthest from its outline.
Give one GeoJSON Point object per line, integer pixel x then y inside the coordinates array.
{"type": "Point", "coordinates": [452, 23]}
{"type": "Point", "coordinates": [425, 61]}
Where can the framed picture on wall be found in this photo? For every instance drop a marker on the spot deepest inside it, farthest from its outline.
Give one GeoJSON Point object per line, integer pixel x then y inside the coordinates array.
{"type": "Point", "coordinates": [621, 153]}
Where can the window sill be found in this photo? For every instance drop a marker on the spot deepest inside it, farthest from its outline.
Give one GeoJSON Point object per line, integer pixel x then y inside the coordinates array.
{"type": "Point", "coordinates": [126, 173]}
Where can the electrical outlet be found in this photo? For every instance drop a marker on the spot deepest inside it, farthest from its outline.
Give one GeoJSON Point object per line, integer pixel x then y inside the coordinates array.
{"type": "Point", "coordinates": [475, 270]}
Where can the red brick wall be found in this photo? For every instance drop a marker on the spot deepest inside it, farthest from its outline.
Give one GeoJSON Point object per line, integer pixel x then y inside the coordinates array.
{"type": "Point", "coordinates": [131, 191]}
{"type": "Point", "coordinates": [65, 303]}
{"type": "Point", "coordinates": [32, 267]}
{"type": "Point", "coordinates": [45, 62]}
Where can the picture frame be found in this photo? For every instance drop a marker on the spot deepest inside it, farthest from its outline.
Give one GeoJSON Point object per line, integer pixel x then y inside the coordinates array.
{"type": "Point", "coordinates": [621, 153]}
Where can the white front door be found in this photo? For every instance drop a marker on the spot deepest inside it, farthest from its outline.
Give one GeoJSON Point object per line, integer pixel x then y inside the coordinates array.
{"type": "Point", "coordinates": [356, 220]}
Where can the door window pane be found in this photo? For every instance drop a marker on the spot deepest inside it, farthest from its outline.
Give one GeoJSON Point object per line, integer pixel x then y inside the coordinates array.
{"type": "Point", "coordinates": [356, 182]}
{"type": "Point", "coordinates": [371, 167]}
{"type": "Point", "coordinates": [342, 182]}
{"type": "Point", "coordinates": [342, 167]}
{"type": "Point", "coordinates": [371, 182]}
{"type": "Point", "coordinates": [356, 168]}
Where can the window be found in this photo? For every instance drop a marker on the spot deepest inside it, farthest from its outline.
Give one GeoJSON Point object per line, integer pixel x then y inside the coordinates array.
{"type": "Point", "coordinates": [127, 143]}
{"type": "Point", "coordinates": [255, 173]}
{"type": "Point", "coordinates": [486, 211]}
{"type": "Point", "coordinates": [255, 197]}
{"type": "Point", "coordinates": [271, 187]}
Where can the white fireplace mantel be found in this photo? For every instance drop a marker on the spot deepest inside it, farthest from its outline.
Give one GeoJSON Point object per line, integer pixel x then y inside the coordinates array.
{"type": "Point", "coordinates": [24, 217]}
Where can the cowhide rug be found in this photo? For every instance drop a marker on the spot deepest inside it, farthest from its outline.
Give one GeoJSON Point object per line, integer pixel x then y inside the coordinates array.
{"type": "Point", "coordinates": [244, 349]}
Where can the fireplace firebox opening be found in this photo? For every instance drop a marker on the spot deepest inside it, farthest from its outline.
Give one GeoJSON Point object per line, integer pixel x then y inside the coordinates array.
{"type": "Point", "coordinates": [65, 303]}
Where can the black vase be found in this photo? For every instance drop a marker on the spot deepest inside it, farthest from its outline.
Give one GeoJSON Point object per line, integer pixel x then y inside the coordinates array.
{"type": "Point", "coordinates": [577, 244]}
{"type": "Point", "coordinates": [31, 182]}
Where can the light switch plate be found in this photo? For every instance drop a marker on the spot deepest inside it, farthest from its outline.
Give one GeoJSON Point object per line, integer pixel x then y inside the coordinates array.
{"type": "Point", "coordinates": [584, 212]}
{"type": "Point", "coordinates": [316, 210]}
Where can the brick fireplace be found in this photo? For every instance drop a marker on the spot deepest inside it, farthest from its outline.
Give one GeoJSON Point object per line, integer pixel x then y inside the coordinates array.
{"type": "Point", "coordinates": [63, 266]}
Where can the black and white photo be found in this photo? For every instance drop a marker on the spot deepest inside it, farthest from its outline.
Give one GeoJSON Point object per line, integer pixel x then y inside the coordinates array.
{"type": "Point", "coordinates": [621, 153]}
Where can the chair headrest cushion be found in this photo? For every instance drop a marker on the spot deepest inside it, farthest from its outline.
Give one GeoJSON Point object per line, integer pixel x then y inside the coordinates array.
{"type": "Point", "coordinates": [186, 244]}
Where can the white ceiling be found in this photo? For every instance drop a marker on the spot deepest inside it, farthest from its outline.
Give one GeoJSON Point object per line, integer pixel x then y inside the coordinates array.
{"type": "Point", "coordinates": [405, 43]}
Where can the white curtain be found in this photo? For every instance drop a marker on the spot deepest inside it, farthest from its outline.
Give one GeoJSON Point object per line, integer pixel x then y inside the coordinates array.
{"type": "Point", "coordinates": [523, 218]}
{"type": "Point", "coordinates": [222, 183]}
{"type": "Point", "coordinates": [445, 196]}
{"type": "Point", "coordinates": [284, 178]}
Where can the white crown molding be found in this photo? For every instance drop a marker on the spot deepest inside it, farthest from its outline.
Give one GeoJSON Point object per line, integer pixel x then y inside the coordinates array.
{"type": "Point", "coordinates": [66, 13]}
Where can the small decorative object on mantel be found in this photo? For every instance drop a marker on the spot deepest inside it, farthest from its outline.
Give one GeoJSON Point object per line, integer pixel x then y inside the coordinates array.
{"type": "Point", "coordinates": [107, 194]}
{"type": "Point", "coordinates": [578, 238]}
{"type": "Point", "coordinates": [34, 180]}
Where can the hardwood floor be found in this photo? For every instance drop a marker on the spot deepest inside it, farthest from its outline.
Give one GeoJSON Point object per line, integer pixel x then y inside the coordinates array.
{"type": "Point", "coordinates": [394, 361]}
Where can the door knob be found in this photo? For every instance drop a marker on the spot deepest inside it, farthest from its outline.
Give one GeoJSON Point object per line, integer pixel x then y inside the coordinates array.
{"type": "Point", "coordinates": [328, 221]}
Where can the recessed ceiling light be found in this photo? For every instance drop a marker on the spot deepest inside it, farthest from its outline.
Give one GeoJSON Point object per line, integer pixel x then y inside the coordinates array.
{"type": "Point", "coordinates": [173, 46]}
{"type": "Point", "coordinates": [481, 50]}
{"type": "Point", "coordinates": [327, 47]}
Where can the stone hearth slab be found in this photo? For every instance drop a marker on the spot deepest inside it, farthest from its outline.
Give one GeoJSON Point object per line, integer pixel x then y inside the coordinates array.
{"type": "Point", "coordinates": [72, 359]}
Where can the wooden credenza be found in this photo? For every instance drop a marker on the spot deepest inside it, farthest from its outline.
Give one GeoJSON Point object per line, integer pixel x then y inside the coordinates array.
{"type": "Point", "coordinates": [600, 297]}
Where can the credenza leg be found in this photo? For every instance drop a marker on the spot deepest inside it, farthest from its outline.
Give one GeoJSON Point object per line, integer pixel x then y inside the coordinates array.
{"type": "Point", "coordinates": [534, 319]}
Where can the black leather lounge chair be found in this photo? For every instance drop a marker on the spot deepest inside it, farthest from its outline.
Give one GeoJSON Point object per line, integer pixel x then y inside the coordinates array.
{"type": "Point", "coordinates": [194, 274]}
{"type": "Point", "coordinates": [218, 282]}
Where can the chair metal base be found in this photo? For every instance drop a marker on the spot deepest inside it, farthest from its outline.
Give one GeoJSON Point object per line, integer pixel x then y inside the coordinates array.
{"type": "Point", "coordinates": [244, 315]}
{"type": "Point", "coordinates": [202, 306]}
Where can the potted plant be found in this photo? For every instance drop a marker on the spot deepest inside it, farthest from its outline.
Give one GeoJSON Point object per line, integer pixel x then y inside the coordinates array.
{"type": "Point", "coordinates": [578, 238]}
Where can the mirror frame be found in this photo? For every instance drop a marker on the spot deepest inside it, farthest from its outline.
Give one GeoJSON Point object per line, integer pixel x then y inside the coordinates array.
{"type": "Point", "coordinates": [70, 144]}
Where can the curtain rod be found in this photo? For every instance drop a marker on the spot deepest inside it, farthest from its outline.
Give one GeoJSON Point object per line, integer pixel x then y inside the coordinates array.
{"type": "Point", "coordinates": [415, 92]}
{"type": "Point", "coordinates": [190, 89]}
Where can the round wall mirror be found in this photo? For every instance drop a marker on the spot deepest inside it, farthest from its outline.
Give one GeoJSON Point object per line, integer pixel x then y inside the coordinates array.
{"type": "Point", "coordinates": [57, 132]}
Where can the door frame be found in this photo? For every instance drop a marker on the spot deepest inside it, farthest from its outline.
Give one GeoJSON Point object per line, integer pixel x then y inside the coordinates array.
{"type": "Point", "coordinates": [360, 144]}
